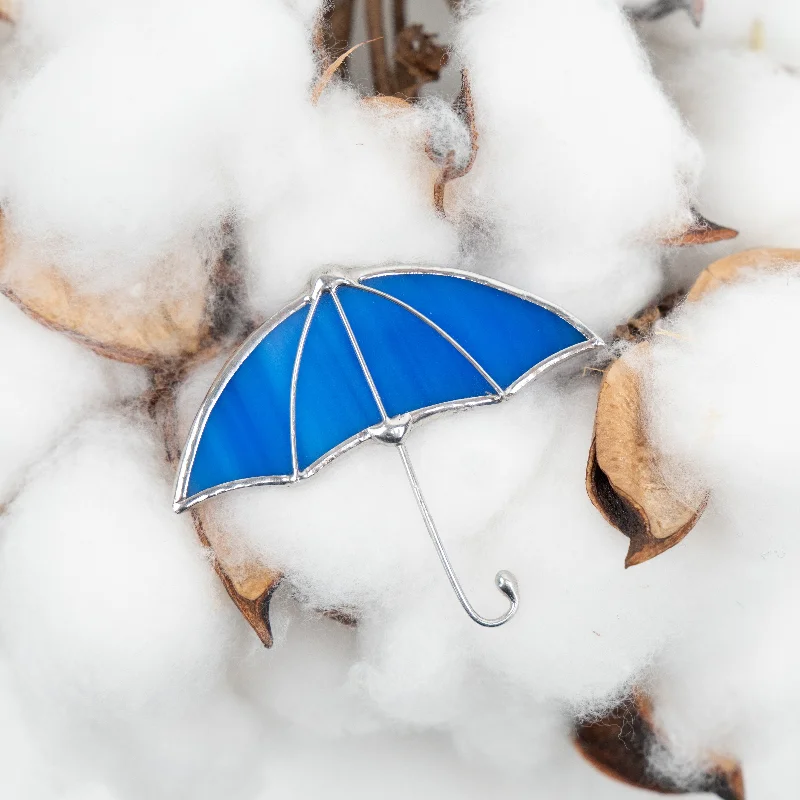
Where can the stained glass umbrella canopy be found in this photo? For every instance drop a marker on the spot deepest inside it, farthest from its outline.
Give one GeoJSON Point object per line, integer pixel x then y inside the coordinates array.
{"type": "Point", "coordinates": [367, 358]}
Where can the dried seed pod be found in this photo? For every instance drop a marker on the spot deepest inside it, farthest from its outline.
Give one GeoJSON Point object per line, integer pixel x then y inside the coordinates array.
{"type": "Point", "coordinates": [701, 231]}
{"type": "Point", "coordinates": [623, 477]}
{"type": "Point", "coordinates": [123, 325]}
{"type": "Point", "coordinates": [250, 584]}
{"type": "Point", "coordinates": [728, 270]}
{"type": "Point", "coordinates": [620, 745]}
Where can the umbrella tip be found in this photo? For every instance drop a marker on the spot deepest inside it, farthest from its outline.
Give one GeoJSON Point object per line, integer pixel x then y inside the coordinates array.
{"type": "Point", "coordinates": [326, 283]}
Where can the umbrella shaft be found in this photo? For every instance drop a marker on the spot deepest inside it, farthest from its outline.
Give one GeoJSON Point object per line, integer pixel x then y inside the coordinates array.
{"type": "Point", "coordinates": [504, 581]}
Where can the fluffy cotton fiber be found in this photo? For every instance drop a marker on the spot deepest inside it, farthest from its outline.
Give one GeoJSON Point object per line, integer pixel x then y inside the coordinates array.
{"type": "Point", "coordinates": [575, 214]}
{"type": "Point", "coordinates": [139, 164]}
{"type": "Point", "coordinates": [38, 367]}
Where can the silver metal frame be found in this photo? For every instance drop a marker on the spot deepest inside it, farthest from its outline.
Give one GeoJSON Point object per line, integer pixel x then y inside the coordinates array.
{"type": "Point", "coordinates": [391, 430]}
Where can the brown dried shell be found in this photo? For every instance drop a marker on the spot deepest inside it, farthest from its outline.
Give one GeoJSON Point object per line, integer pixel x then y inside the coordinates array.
{"type": "Point", "coordinates": [701, 231]}
{"type": "Point", "coordinates": [728, 270]}
{"type": "Point", "coordinates": [623, 477]}
{"type": "Point", "coordinates": [114, 324]}
{"type": "Point", "coordinates": [620, 743]}
{"type": "Point", "coordinates": [250, 585]}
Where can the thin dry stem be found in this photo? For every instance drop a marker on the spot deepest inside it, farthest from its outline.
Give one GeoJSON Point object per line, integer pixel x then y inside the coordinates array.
{"type": "Point", "coordinates": [382, 76]}
{"type": "Point", "coordinates": [399, 7]}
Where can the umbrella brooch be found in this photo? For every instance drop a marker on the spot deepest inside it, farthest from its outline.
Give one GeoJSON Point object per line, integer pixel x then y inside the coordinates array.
{"type": "Point", "coordinates": [368, 358]}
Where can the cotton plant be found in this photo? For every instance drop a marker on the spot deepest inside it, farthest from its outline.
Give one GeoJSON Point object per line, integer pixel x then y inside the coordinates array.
{"type": "Point", "coordinates": [171, 175]}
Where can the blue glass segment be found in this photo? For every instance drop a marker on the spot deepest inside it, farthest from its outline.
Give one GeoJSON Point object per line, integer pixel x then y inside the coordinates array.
{"type": "Point", "coordinates": [247, 434]}
{"type": "Point", "coordinates": [412, 365]}
{"type": "Point", "coordinates": [505, 334]}
{"type": "Point", "coordinates": [334, 401]}
{"type": "Point", "coordinates": [248, 431]}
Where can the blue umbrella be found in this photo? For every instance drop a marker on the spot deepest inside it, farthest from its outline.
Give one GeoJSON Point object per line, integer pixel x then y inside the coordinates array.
{"type": "Point", "coordinates": [368, 358]}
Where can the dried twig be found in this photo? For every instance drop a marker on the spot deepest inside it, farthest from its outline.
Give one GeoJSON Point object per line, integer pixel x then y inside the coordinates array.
{"type": "Point", "coordinates": [382, 76]}
{"type": "Point", "coordinates": [399, 15]}
{"type": "Point", "coordinates": [418, 59]}
{"type": "Point", "coordinates": [640, 326]}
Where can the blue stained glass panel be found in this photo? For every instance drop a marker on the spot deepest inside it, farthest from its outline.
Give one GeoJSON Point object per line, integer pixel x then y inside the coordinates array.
{"type": "Point", "coordinates": [334, 401]}
{"type": "Point", "coordinates": [505, 334]}
{"type": "Point", "coordinates": [411, 364]}
{"type": "Point", "coordinates": [247, 434]}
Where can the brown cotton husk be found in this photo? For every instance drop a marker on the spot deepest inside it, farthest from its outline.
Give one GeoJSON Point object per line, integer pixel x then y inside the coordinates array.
{"type": "Point", "coordinates": [248, 581]}
{"type": "Point", "coordinates": [623, 477]}
{"type": "Point", "coordinates": [621, 742]}
{"type": "Point", "coordinates": [701, 231]}
{"type": "Point", "coordinates": [730, 269]}
{"type": "Point", "coordinates": [123, 324]}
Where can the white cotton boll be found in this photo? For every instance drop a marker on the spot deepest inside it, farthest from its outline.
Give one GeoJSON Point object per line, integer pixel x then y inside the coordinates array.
{"type": "Point", "coordinates": [721, 389]}
{"type": "Point", "coordinates": [719, 396]}
{"type": "Point", "coordinates": [308, 10]}
{"type": "Point", "coordinates": [353, 188]}
{"type": "Point", "coordinates": [44, 25]}
{"type": "Point", "coordinates": [110, 605]}
{"type": "Point", "coordinates": [600, 287]}
{"type": "Point", "coordinates": [772, 25]}
{"type": "Point", "coordinates": [40, 365]}
{"type": "Point", "coordinates": [303, 679]}
{"type": "Point", "coordinates": [728, 684]}
{"type": "Point", "coordinates": [424, 765]}
{"type": "Point", "coordinates": [744, 109]}
{"type": "Point", "coordinates": [24, 771]}
{"type": "Point", "coordinates": [149, 107]}
{"type": "Point", "coordinates": [574, 161]}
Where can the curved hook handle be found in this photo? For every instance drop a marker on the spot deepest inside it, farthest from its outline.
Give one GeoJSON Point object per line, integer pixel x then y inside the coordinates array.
{"type": "Point", "coordinates": [504, 580]}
